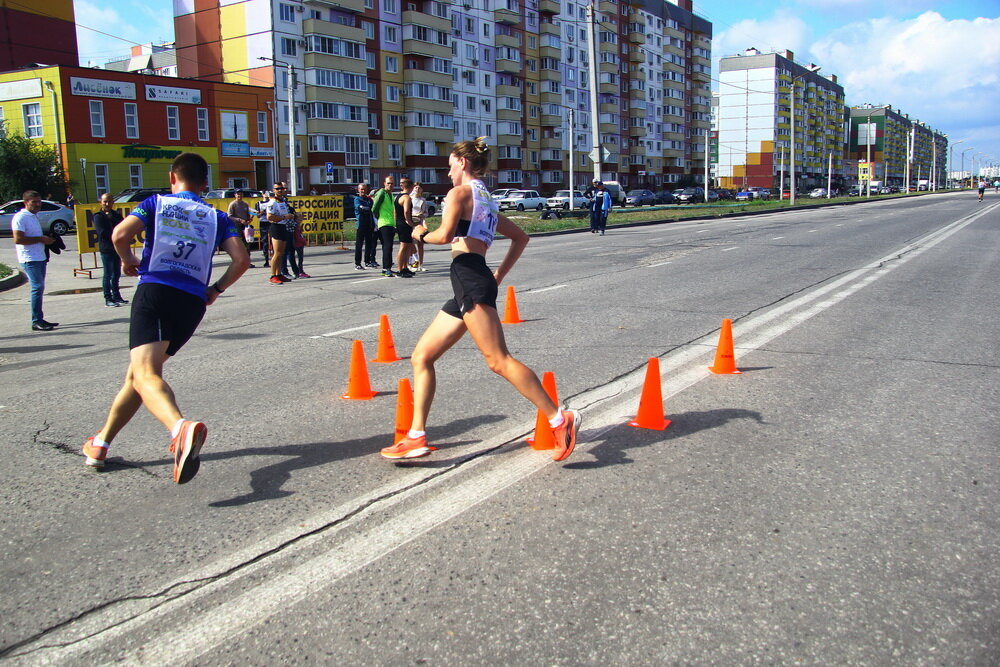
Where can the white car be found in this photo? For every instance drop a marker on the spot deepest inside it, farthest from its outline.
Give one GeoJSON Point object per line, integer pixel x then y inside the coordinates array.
{"type": "Point", "coordinates": [522, 200]}
{"type": "Point", "coordinates": [818, 193]}
{"type": "Point", "coordinates": [560, 200]}
{"type": "Point", "coordinates": [53, 217]}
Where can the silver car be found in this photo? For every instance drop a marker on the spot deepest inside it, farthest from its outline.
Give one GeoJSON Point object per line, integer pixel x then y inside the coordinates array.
{"type": "Point", "coordinates": [53, 217]}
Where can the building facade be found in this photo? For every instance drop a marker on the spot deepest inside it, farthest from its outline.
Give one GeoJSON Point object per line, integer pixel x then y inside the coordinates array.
{"type": "Point", "coordinates": [116, 130]}
{"type": "Point", "coordinates": [755, 123]}
{"type": "Point", "coordinates": [158, 59]}
{"type": "Point", "coordinates": [384, 87]}
{"type": "Point", "coordinates": [42, 31]}
{"type": "Point", "coordinates": [894, 141]}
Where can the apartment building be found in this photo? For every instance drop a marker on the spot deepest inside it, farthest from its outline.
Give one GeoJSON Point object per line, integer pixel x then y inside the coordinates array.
{"type": "Point", "coordinates": [755, 122]}
{"type": "Point", "coordinates": [43, 31]}
{"type": "Point", "coordinates": [384, 87]}
{"type": "Point", "coordinates": [890, 138]}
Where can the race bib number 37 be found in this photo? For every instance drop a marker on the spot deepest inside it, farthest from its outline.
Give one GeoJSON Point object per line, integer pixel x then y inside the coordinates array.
{"type": "Point", "coordinates": [184, 238]}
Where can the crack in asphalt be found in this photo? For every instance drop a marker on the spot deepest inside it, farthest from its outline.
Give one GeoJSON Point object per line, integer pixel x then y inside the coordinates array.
{"type": "Point", "coordinates": [71, 450]}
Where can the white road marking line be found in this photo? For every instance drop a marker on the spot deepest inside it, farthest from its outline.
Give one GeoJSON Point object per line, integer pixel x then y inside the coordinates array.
{"type": "Point", "coordinates": [546, 289]}
{"type": "Point", "coordinates": [702, 231]}
{"type": "Point", "coordinates": [811, 231]}
{"type": "Point", "coordinates": [343, 331]}
{"type": "Point", "coordinates": [252, 606]}
{"type": "Point", "coordinates": [651, 266]}
{"type": "Point", "coordinates": [366, 280]}
{"type": "Point", "coordinates": [728, 249]}
{"type": "Point", "coordinates": [777, 238]}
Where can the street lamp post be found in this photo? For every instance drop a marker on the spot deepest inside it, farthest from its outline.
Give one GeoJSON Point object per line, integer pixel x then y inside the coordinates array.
{"type": "Point", "coordinates": [962, 170]}
{"type": "Point", "coordinates": [83, 170]}
{"type": "Point", "coordinates": [55, 119]}
{"type": "Point", "coordinates": [293, 188]}
{"type": "Point", "coordinates": [951, 159]}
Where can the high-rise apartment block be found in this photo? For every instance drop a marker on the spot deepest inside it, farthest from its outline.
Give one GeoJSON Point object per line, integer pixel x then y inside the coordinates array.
{"type": "Point", "coordinates": [41, 31]}
{"type": "Point", "coordinates": [755, 122]}
{"type": "Point", "coordinates": [888, 138]}
{"type": "Point", "coordinates": [384, 87]}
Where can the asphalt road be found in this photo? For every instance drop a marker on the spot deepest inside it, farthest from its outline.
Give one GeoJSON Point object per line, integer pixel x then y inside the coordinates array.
{"type": "Point", "coordinates": [834, 504]}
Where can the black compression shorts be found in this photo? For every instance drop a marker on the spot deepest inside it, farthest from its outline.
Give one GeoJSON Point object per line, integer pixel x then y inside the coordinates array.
{"type": "Point", "coordinates": [279, 232]}
{"type": "Point", "coordinates": [473, 282]}
{"type": "Point", "coordinates": [160, 312]}
{"type": "Point", "coordinates": [405, 232]}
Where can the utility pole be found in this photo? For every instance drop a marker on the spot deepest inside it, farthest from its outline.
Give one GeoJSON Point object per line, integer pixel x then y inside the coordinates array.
{"type": "Point", "coordinates": [293, 180]}
{"type": "Point", "coordinates": [868, 141]}
{"type": "Point", "coordinates": [781, 174]}
{"type": "Point", "coordinates": [791, 172]}
{"type": "Point", "coordinates": [708, 135]}
{"type": "Point", "coordinates": [572, 137]}
{"type": "Point", "coordinates": [829, 175]}
{"type": "Point", "coordinates": [595, 132]}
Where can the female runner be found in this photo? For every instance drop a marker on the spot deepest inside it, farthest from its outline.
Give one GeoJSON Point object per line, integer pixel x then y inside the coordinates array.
{"type": "Point", "coordinates": [469, 223]}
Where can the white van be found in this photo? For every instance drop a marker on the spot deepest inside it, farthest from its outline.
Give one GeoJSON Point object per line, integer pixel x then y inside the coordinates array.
{"type": "Point", "coordinates": [614, 188]}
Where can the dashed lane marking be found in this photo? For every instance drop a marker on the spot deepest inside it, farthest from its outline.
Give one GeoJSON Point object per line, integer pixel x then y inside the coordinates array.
{"type": "Point", "coordinates": [343, 331]}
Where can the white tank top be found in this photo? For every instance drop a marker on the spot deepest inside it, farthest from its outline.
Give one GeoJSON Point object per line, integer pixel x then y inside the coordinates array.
{"type": "Point", "coordinates": [184, 238]}
{"type": "Point", "coordinates": [483, 225]}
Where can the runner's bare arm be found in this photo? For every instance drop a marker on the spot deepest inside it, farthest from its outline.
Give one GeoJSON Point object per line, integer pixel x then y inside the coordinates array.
{"type": "Point", "coordinates": [454, 205]}
{"type": "Point", "coordinates": [122, 236]}
{"type": "Point", "coordinates": [518, 240]}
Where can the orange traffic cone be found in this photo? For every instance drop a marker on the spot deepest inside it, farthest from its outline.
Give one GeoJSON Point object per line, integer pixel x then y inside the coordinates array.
{"type": "Point", "coordinates": [404, 410]}
{"type": "Point", "coordinates": [725, 357]}
{"type": "Point", "coordinates": [386, 346]}
{"type": "Point", "coordinates": [510, 314]}
{"type": "Point", "coordinates": [650, 413]}
{"type": "Point", "coordinates": [543, 432]}
{"type": "Point", "coordinates": [359, 388]}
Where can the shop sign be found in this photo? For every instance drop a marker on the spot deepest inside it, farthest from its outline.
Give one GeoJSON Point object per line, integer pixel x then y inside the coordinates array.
{"type": "Point", "coordinates": [146, 152]}
{"type": "Point", "coordinates": [177, 95]}
{"type": "Point", "coordinates": [261, 152]}
{"type": "Point", "coordinates": [118, 90]}
{"type": "Point", "coordinates": [235, 149]}
{"type": "Point", "coordinates": [20, 90]}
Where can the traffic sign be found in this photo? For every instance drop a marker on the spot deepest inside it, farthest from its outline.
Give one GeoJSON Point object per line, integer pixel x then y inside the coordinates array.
{"type": "Point", "coordinates": [329, 169]}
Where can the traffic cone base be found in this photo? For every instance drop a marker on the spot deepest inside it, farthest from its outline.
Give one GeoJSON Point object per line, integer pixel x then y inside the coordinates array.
{"type": "Point", "coordinates": [650, 414]}
{"type": "Point", "coordinates": [404, 410]}
{"type": "Point", "coordinates": [543, 438]}
{"type": "Point", "coordinates": [359, 387]}
{"type": "Point", "coordinates": [510, 311]}
{"type": "Point", "coordinates": [386, 346]}
{"type": "Point", "coordinates": [725, 356]}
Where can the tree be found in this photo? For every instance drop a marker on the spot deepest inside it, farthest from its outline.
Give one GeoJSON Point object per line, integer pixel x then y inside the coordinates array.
{"type": "Point", "coordinates": [26, 164]}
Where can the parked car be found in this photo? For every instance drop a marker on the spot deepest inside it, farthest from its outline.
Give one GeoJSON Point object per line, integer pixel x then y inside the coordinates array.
{"type": "Point", "coordinates": [855, 191]}
{"type": "Point", "coordinates": [129, 195]}
{"type": "Point", "coordinates": [501, 193]}
{"type": "Point", "coordinates": [664, 197]}
{"type": "Point", "coordinates": [229, 193]}
{"type": "Point", "coordinates": [696, 196]}
{"type": "Point", "coordinates": [53, 217]}
{"type": "Point", "coordinates": [725, 193]}
{"type": "Point", "coordinates": [818, 193]}
{"type": "Point", "coordinates": [560, 200]}
{"type": "Point", "coordinates": [640, 198]}
{"type": "Point", "coordinates": [753, 192]}
{"type": "Point", "coordinates": [522, 200]}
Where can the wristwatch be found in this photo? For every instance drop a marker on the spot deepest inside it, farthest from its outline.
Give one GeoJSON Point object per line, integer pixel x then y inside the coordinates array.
{"type": "Point", "coordinates": [216, 287]}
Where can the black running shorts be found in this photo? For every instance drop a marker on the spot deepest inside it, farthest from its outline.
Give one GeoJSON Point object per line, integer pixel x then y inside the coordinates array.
{"type": "Point", "coordinates": [279, 231]}
{"type": "Point", "coordinates": [473, 282]}
{"type": "Point", "coordinates": [405, 232]}
{"type": "Point", "coordinates": [163, 313]}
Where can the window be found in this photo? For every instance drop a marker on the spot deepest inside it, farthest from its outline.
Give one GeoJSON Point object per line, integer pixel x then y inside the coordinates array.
{"type": "Point", "coordinates": [173, 124]}
{"type": "Point", "coordinates": [203, 125]}
{"type": "Point", "coordinates": [389, 6]}
{"type": "Point", "coordinates": [131, 121]}
{"type": "Point", "coordinates": [391, 64]}
{"type": "Point", "coordinates": [391, 93]}
{"type": "Point", "coordinates": [390, 34]}
{"type": "Point", "coordinates": [3, 125]}
{"type": "Point", "coordinates": [262, 127]}
{"type": "Point", "coordinates": [369, 29]}
{"type": "Point", "coordinates": [96, 118]}
{"type": "Point", "coordinates": [287, 46]}
{"type": "Point", "coordinates": [135, 175]}
{"type": "Point", "coordinates": [101, 178]}
{"type": "Point", "coordinates": [32, 120]}
{"type": "Point", "coordinates": [394, 122]}
{"type": "Point", "coordinates": [286, 13]}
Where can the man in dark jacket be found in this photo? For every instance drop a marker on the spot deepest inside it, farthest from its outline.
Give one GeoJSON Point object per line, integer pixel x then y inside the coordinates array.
{"type": "Point", "coordinates": [366, 236]}
{"type": "Point", "coordinates": [104, 222]}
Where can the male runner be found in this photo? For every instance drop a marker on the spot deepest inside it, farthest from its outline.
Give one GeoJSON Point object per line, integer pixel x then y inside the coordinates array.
{"type": "Point", "coordinates": [181, 233]}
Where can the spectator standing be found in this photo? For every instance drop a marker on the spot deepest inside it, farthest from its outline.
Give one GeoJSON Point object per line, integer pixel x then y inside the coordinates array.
{"type": "Point", "coordinates": [29, 244]}
{"type": "Point", "coordinates": [403, 208]}
{"type": "Point", "coordinates": [599, 207]}
{"type": "Point", "coordinates": [169, 303]}
{"type": "Point", "coordinates": [70, 199]}
{"type": "Point", "coordinates": [265, 226]}
{"type": "Point", "coordinates": [294, 252]}
{"type": "Point", "coordinates": [385, 222]}
{"type": "Point", "coordinates": [278, 214]}
{"type": "Point", "coordinates": [365, 234]}
{"type": "Point", "coordinates": [419, 215]}
{"type": "Point", "coordinates": [239, 213]}
{"type": "Point", "coordinates": [105, 221]}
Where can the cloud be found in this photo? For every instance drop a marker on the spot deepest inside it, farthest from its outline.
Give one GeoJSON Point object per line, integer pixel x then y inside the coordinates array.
{"type": "Point", "coordinates": [780, 32]}
{"type": "Point", "coordinates": [943, 72]}
{"type": "Point", "coordinates": [103, 33]}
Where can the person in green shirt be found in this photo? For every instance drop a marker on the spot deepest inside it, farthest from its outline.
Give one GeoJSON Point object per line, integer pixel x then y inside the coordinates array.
{"type": "Point", "coordinates": [385, 220]}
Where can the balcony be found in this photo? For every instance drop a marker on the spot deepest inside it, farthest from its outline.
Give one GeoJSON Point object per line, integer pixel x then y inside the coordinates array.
{"type": "Point", "coordinates": [549, 75]}
{"type": "Point", "coordinates": [608, 107]}
{"type": "Point", "coordinates": [354, 6]}
{"type": "Point", "coordinates": [427, 20]}
{"type": "Point", "coordinates": [610, 68]}
{"type": "Point", "coordinates": [549, 7]}
{"type": "Point", "coordinates": [513, 41]}
{"type": "Point", "coordinates": [548, 28]}
{"type": "Point", "coordinates": [421, 48]}
{"type": "Point", "coordinates": [636, 37]}
{"type": "Point", "coordinates": [548, 97]}
{"type": "Point", "coordinates": [414, 133]}
{"type": "Point", "coordinates": [636, 94]}
{"type": "Point", "coordinates": [636, 56]}
{"type": "Point", "coordinates": [551, 142]}
{"type": "Point", "coordinates": [412, 75]}
{"type": "Point", "coordinates": [547, 51]}
{"type": "Point", "coordinates": [508, 91]}
{"type": "Point", "coordinates": [506, 16]}
{"type": "Point", "coordinates": [608, 7]}
{"type": "Point", "coordinates": [551, 120]}
{"type": "Point", "coordinates": [509, 114]}
{"type": "Point", "coordinates": [637, 131]}
{"type": "Point", "coordinates": [636, 112]}
{"type": "Point", "coordinates": [608, 47]}
{"type": "Point", "coordinates": [506, 65]}
{"type": "Point", "coordinates": [608, 88]}
{"type": "Point", "coordinates": [637, 151]}
{"type": "Point", "coordinates": [639, 74]}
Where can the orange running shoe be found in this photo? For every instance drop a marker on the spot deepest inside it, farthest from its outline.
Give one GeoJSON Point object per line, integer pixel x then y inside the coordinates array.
{"type": "Point", "coordinates": [408, 448]}
{"type": "Point", "coordinates": [186, 447]}
{"type": "Point", "coordinates": [95, 455]}
{"type": "Point", "coordinates": [565, 435]}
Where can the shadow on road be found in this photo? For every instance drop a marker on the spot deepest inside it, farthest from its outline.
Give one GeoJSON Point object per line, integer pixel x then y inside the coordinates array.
{"type": "Point", "coordinates": [612, 452]}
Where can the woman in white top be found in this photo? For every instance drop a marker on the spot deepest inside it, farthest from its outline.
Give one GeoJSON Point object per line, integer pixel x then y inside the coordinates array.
{"type": "Point", "coordinates": [419, 215]}
{"type": "Point", "coordinates": [470, 221]}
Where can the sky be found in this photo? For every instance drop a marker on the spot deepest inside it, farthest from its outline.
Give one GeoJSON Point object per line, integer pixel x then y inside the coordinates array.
{"type": "Point", "coordinates": [938, 61]}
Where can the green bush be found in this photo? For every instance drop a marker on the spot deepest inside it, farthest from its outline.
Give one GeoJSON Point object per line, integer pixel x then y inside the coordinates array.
{"type": "Point", "coordinates": [5, 271]}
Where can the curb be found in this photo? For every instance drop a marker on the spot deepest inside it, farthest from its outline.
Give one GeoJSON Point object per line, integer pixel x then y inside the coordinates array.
{"type": "Point", "coordinates": [12, 281]}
